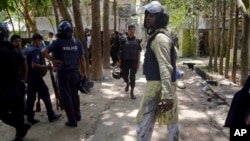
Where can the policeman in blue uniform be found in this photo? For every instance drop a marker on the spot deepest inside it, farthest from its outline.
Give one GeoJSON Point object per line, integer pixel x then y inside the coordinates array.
{"type": "Point", "coordinates": [11, 100]}
{"type": "Point", "coordinates": [36, 83]}
{"type": "Point", "coordinates": [130, 59]}
{"type": "Point", "coordinates": [68, 56]}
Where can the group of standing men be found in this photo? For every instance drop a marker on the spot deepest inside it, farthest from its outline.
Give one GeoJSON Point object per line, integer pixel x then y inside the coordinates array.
{"type": "Point", "coordinates": [159, 102]}
{"type": "Point", "coordinates": [27, 67]}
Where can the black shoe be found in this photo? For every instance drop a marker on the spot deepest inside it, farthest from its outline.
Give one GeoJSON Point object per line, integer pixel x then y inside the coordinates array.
{"type": "Point", "coordinates": [132, 96]}
{"type": "Point", "coordinates": [54, 117]}
{"type": "Point", "coordinates": [71, 124]}
{"type": "Point", "coordinates": [26, 127]}
{"type": "Point", "coordinates": [21, 133]}
{"type": "Point", "coordinates": [17, 138]}
{"type": "Point", "coordinates": [78, 118]}
{"type": "Point", "coordinates": [127, 87]}
{"type": "Point", "coordinates": [33, 121]}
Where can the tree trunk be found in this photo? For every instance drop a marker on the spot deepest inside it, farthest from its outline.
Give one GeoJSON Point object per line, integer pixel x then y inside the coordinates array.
{"type": "Point", "coordinates": [63, 9]}
{"type": "Point", "coordinates": [30, 21]}
{"type": "Point", "coordinates": [80, 29]}
{"type": "Point", "coordinates": [216, 49]}
{"type": "Point", "coordinates": [55, 5]}
{"type": "Point", "coordinates": [222, 43]}
{"type": "Point", "coordinates": [106, 36]}
{"type": "Point", "coordinates": [115, 14]}
{"type": "Point", "coordinates": [235, 44]}
{"type": "Point", "coordinates": [87, 13]}
{"type": "Point", "coordinates": [211, 54]}
{"type": "Point", "coordinates": [244, 50]}
{"type": "Point", "coordinates": [96, 66]}
{"type": "Point", "coordinates": [229, 38]}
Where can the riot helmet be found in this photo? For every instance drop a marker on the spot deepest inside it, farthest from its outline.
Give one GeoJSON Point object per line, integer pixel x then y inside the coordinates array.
{"type": "Point", "coordinates": [162, 16]}
{"type": "Point", "coordinates": [4, 31]}
{"type": "Point", "coordinates": [84, 85]}
{"type": "Point", "coordinates": [65, 29]}
{"type": "Point", "coordinates": [116, 73]}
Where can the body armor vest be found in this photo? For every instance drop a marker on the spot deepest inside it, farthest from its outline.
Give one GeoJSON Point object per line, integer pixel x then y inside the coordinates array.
{"type": "Point", "coordinates": [67, 51]}
{"type": "Point", "coordinates": [130, 49]}
{"type": "Point", "coordinates": [151, 67]}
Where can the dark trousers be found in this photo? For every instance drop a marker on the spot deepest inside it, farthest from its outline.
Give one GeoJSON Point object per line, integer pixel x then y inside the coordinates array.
{"type": "Point", "coordinates": [69, 95]}
{"type": "Point", "coordinates": [129, 71]}
{"type": "Point", "coordinates": [12, 108]}
{"type": "Point", "coordinates": [36, 84]}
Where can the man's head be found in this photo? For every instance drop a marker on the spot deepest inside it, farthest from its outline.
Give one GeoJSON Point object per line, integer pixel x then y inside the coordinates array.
{"type": "Point", "coordinates": [65, 29]}
{"type": "Point", "coordinates": [16, 41]}
{"type": "Point", "coordinates": [155, 16]}
{"type": "Point", "coordinates": [37, 40]}
{"type": "Point", "coordinates": [131, 30]}
{"type": "Point", "coordinates": [4, 31]}
{"type": "Point", "coordinates": [50, 34]}
{"type": "Point", "coordinates": [117, 34]}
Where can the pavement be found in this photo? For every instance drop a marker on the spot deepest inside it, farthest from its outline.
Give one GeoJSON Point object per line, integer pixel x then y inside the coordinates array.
{"type": "Point", "coordinates": [109, 115]}
{"type": "Point", "coordinates": [202, 110]}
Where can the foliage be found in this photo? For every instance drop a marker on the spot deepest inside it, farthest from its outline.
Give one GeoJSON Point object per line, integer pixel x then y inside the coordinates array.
{"type": "Point", "coordinates": [40, 7]}
{"type": "Point", "coordinates": [188, 46]}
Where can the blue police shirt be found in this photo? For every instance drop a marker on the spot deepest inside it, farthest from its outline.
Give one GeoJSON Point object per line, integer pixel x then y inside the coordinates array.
{"type": "Point", "coordinates": [68, 51]}
{"type": "Point", "coordinates": [33, 55]}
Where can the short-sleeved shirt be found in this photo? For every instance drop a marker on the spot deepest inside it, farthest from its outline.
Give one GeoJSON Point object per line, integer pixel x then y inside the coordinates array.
{"type": "Point", "coordinates": [69, 51]}
{"type": "Point", "coordinates": [34, 56]}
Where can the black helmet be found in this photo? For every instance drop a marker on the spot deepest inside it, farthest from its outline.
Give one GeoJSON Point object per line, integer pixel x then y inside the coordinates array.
{"type": "Point", "coordinates": [65, 29]}
{"type": "Point", "coordinates": [162, 16]}
{"type": "Point", "coordinates": [4, 31]}
{"type": "Point", "coordinates": [116, 73]}
{"type": "Point", "coordinates": [84, 85]}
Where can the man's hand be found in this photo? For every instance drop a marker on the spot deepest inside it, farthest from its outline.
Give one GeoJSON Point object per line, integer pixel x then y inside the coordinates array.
{"type": "Point", "coordinates": [248, 120]}
{"type": "Point", "coordinates": [137, 66]}
{"type": "Point", "coordinates": [49, 67]}
{"type": "Point", "coordinates": [166, 104]}
{"type": "Point", "coordinates": [56, 63]}
{"type": "Point", "coordinates": [83, 74]}
{"type": "Point", "coordinates": [118, 65]}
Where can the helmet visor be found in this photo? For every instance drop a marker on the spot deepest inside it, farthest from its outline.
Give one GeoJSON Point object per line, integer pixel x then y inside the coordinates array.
{"type": "Point", "coordinates": [153, 7]}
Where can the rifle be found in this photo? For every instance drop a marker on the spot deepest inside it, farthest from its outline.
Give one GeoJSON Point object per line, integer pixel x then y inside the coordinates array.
{"type": "Point", "coordinates": [56, 91]}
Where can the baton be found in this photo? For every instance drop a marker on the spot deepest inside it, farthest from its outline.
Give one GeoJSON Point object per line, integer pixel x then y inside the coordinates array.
{"type": "Point", "coordinates": [150, 111]}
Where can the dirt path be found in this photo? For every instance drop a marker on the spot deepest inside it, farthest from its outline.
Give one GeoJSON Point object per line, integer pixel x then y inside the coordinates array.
{"type": "Point", "coordinates": [108, 115]}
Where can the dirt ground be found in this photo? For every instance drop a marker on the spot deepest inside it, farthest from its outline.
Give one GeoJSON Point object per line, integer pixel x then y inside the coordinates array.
{"type": "Point", "coordinates": [108, 115]}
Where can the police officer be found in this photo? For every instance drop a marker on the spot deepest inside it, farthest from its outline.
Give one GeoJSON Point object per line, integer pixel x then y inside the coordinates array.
{"type": "Point", "coordinates": [130, 59]}
{"type": "Point", "coordinates": [36, 83]}
{"type": "Point", "coordinates": [68, 56]}
{"type": "Point", "coordinates": [23, 68]}
{"type": "Point", "coordinates": [11, 100]}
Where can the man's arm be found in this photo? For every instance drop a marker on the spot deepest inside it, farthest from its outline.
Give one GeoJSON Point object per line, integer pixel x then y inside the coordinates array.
{"type": "Point", "coordinates": [38, 66]}
{"type": "Point", "coordinates": [139, 55]}
{"type": "Point", "coordinates": [161, 47]}
{"type": "Point", "coordinates": [83, 66]}
{"type": "Point", "coordinates": [45, 53]}
{"type": "Point", "coordinates": [36, 60]}
{"type": "Point", "coordinates": [25, 70]}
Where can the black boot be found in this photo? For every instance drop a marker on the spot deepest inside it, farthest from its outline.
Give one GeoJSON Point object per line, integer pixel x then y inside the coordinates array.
{"type": "Point", "coordinates": [54, 117]}
{"type": "Point", "coordinates": [132, 96]}
{"type": "Point", "coordinates": [21, 133]}
{"type": "Point", "coordinates": [127, 87]}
